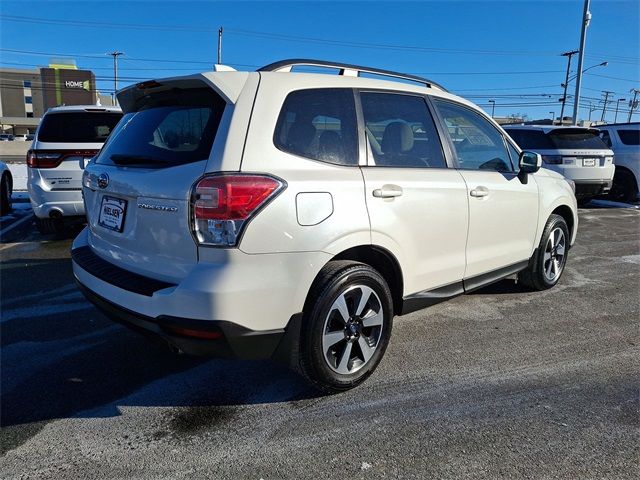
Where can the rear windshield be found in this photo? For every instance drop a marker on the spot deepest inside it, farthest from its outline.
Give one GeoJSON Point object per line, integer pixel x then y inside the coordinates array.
{"type": "Point", "coordinates": [169, 128]}
{"type": "Point", "coordinates": [78, 127]}
{"type": "Point", "coordinates": [577, 139]}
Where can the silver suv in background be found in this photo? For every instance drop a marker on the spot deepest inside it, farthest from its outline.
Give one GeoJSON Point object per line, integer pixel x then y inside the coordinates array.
{"type": "Point", "coordinates": [624, 140]}
{"type": "Point", "coordinates": [66, 139]}
{"type": "Point", "coordinates": [578, 153]}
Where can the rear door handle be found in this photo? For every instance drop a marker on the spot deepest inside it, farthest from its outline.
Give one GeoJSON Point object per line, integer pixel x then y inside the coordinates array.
{"type": "Point", "coordinates": [388, 191]}
{"type": "Point", "coordinates": [479, 192]}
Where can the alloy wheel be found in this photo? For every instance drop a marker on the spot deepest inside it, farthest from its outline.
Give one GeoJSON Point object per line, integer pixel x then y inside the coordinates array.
{"type": "Point", "coordinates": [352, 329]}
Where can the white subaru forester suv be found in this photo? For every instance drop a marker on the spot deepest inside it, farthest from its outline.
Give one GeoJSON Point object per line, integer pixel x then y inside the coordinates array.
{"type": "Point", "coordinates": [291, 215]}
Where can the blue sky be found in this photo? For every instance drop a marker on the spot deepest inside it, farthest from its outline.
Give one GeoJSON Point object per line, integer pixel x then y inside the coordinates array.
{"type": "Point", "coordinates": [508, 51]}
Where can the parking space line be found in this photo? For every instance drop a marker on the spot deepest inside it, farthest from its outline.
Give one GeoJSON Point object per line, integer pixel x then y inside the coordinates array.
{"type": "Point", "coordinates": [15, 224]}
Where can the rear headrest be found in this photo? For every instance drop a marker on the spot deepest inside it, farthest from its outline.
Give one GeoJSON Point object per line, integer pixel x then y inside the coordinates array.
{"type": "Point", "coordinates": [300, 136]}
{"type": "Point", "coordinates": [397, 138]}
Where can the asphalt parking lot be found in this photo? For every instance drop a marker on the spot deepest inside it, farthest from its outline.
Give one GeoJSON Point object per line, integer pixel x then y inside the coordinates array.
{"type": "Point", "coordinates": [502, 383]}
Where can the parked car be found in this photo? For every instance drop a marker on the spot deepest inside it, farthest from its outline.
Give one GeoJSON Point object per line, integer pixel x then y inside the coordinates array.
{"type": "Point", "coordinates": [578, 153]}
{"type": "Point", "coordinates": [6, 137]}
{"type": "Point", "coordinates": [66, 139]}
{"type": "Point", "coordinates": [23, 137]}
{"type": "Point", "coordinates": [6, 189]}
{"type": "Point", "coordinates": [624, 140]}
{"type": "Point", "coordinates": [292, 215]}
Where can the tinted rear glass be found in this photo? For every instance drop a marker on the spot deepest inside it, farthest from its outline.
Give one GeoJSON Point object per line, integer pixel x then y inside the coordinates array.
{"type": "Point", "coordinates": [319, 124]}
{"type": "Point", "coordinates": [629, 137]}
{"type": "Point", "coordinates": [170, 128]}
{"type": "Point", "coordinates": [576, 139]}
{"type": "Point", "coordinates": [566, 138]}
{"type": "Point", "coordinates": [77, 127]}
{"type": "Point", "coordinates": [530, 139]}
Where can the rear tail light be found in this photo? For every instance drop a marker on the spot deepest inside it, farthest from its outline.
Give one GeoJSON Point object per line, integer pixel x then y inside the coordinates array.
{"type": "Point", "coordinates": [552, 159]}
{"type": "Point", "coordinates": [51, 159]}
{"type": "Point", "coordinates": [221, 205]}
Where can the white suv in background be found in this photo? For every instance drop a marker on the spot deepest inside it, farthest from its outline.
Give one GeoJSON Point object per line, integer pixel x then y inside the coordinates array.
{"type": "Point", "coordinates": [66, 139]}
{"type": "Point", "coordinates": [292, 215]}
{"type": "Point", "coordinates": [578, 153]}
{"type": "Point", "coordinates": [624, 140]}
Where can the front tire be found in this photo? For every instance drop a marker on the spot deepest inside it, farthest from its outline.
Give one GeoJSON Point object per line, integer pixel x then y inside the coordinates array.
{"type": "Point", "coordinates": [548, 262]}
{"type": "Point", "coordinates": [346, 326]}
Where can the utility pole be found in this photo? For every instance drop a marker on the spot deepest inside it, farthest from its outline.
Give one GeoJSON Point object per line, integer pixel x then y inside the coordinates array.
{"type": "Point", "coordinates": [115, 54]}
{"type": "Point", "coordinates": [566, 81]}
{"type": "Point", "coordinates": [606, 99]}
{"type": "Point", "coordinates": [615, 119]}
{"type": "Point", "coordinates": [220, 46]}
{"type": "Point", "coordinates": [633, 104]}
{"type": "Point", "coordinates": [586, 18]}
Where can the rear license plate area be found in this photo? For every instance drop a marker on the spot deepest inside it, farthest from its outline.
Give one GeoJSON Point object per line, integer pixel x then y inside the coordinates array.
{"type": "Point", "coordinates": [112, 213]}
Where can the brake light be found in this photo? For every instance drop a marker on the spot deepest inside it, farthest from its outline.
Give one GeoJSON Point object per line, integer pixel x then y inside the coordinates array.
{"type": "Point", "coordinates": [221, 205]}
{"type": "Point", "coordinates": [552, 159]}
{"type": "Point", "coordinates": [52, 159]}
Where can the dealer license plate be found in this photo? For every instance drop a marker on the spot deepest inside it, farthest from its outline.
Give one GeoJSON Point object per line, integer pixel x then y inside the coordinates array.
{"type": "Point", "coordinates": [112, 212]}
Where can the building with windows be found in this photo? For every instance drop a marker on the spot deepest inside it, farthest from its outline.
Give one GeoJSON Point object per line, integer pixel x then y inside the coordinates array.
{"type": "Point", "coordinates": [26, 94]}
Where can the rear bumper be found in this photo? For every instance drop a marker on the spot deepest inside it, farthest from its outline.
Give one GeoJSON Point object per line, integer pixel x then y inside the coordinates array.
{"type": "Point", "coordinates": [47, 203]}
{"type": "Point", "coordinates": [592, 188]}
{"type": "Point", "coordinates": [196, 337]}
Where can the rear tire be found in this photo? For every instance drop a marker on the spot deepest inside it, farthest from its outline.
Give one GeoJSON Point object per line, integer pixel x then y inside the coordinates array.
{"type": "Point", "coordinates": [47, 226]}
{"type": "Point", "coordinates": [6, 189]}
{"type": "Point", "coordinates": [624, 188]}
{"type": "Point", "coordinates": [346, 326]}
{"type": "Point", "coordinates": [548, 262]}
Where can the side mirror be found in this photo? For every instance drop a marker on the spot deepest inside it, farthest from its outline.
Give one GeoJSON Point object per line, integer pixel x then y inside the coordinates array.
{"type": "Point", "coordinates": [530, 162]}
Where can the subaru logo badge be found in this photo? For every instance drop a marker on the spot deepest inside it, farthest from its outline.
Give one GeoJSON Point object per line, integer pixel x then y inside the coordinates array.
{"type": "Point", "coordinates": [103, 180]}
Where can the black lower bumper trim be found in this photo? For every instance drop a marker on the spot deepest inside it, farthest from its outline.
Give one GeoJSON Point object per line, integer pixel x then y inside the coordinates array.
{"type": "Point", "coordinates": [236, 341]}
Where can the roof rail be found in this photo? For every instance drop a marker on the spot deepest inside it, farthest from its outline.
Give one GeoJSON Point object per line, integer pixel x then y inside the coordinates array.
{"type": "Point", "coordinates": [346, 69]}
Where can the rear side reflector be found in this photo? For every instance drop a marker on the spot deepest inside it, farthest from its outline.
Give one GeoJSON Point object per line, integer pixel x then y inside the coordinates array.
{"type": "Point", "coordinates": [53, 158]}
{"type": "Point", "coordinates": [189, 332]}
{"type": "Point", "coordinates": [221, 205]}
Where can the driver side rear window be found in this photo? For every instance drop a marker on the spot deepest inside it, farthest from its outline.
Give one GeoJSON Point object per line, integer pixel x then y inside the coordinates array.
{"type": "Point", "coordinates": [319, 124]}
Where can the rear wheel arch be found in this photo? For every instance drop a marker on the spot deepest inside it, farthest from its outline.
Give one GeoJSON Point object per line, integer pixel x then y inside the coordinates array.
{"type": "Point", "coordinates": [382, 261]}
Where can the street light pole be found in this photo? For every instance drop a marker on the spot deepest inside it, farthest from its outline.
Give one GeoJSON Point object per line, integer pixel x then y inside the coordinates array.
{"type": "Point", "coordinates": [566, 80]}
{"type": "Point", "coordinates": [493, 107]}
{"type": "Point", "coordinates": [615, 118]}
{"type": "Point", "coordinates": [220, 46]}
{"type": "Point", "coordinates": [115, 54]}
{"type": "Point", "coordinates": [586, 18]}
{"type": "Point", "coordinates": [553, 118]}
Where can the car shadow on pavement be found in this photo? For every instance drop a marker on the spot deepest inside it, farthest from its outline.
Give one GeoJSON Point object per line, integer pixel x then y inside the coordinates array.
{"type": "Point", "coordinates": [62, 358]}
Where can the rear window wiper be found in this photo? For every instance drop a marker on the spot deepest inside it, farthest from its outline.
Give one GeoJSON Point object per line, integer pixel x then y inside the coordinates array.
{"type": "Point", "coordinates": [126, 159]}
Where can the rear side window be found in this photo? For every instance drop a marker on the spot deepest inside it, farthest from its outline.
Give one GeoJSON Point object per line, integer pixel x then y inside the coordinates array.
{"type": "Point", "coordinates": [629, 137]}
{"type": "Point", "coordinates": [401, 131]}
{"type": "Point", "coordinates": [576, 139]}
{"type": "Point", "coordinates": [319, 124]}
{"type": "Point", "coordinates": [530, 139]}
{"type": "Point", "coordinates": [169, 128]}
{"type": "Point", "coordinates": [77, 127]}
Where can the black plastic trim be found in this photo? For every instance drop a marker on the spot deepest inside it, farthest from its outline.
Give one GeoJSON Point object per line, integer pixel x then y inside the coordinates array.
{"type": "Point", "coordinates": [427, 298]}
{"type": "Point", "coordinates": [116, 276]}
{"type": "Point", "coordinates": [236, 341]}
